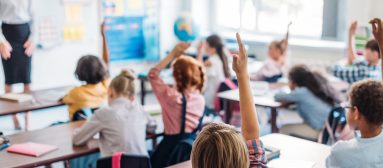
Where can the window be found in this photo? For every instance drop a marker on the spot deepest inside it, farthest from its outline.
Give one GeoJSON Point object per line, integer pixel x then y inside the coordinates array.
{"type": "Point", "coordinates": [271, 16]}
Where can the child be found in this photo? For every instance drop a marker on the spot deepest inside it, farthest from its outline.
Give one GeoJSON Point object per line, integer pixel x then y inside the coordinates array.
{"type": "Point", "coordinates": [356, 70]}
{"type": "Point", "coordinates": [314, 97]}
{"type": "Point", "coordinates": [275, 66]}
{"type": "Point", "coordinates": [180, 122]}
{"type": "Point", "coordinates": [366, 114]}
{"type": "Point", "coordinates": [122, 125]}
{"type": "Point", "coordinates": [220, 145]}
{"type": "Point", "coordinates": [217, 69]}
{"type": "Point", "coordinates": [93, 94]}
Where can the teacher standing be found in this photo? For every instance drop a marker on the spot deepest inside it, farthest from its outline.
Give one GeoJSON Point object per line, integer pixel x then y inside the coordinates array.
{"type": "Point", "coordinates": [16, 46]}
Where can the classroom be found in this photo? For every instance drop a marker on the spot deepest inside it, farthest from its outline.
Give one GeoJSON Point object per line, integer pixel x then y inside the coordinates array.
{"type": "Point", "coordinates": [191, 83]}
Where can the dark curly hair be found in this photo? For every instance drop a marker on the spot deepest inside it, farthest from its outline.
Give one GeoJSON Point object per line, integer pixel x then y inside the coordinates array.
{"type": "Point", "coordinates": [301, 75]}
{"type": "Point", "coordinates": [91, 69]}
{"type": "Point", "coordinates": [367, 96]}
{"type": "Point", "coordinates": [188, 72]}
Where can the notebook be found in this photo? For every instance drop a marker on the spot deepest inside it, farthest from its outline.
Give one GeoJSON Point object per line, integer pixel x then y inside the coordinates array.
{"type": "Point", "coordinates": [16, 97]}
{"type": "Point", "coordinates": [31, 149]}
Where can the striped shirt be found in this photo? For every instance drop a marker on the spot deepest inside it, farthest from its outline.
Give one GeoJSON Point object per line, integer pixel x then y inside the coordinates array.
{"type": "Point", "coordinates": [358, 71]}
{"type": "Point", "coordinates": [257, 155]}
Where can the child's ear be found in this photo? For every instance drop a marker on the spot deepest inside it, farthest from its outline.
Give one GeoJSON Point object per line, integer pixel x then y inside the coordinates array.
{"type": "Point", "coordinates": [357, 115]}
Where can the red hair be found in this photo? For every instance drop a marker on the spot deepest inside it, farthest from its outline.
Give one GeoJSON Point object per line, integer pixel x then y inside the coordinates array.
{"type": "Point", "coordinates": [187, 73]}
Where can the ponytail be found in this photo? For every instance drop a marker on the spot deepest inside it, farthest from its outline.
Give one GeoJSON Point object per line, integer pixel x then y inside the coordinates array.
{"type": "Point", "coordinates": [123, 84]}
{"type": "Point", "coordinates": [216, 42]}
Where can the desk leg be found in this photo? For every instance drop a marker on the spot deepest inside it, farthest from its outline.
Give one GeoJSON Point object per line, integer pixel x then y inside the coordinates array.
{"type": "Point", "coordinates": [143, 92]}
{"type": "Point", "coordinates": [228, 111]}
{"type": "Point", "coordinates": [273, 120]}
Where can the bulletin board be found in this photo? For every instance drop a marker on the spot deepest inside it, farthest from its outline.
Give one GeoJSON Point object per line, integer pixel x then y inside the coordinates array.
{"type": "Point", "coordinates": [132, 26]}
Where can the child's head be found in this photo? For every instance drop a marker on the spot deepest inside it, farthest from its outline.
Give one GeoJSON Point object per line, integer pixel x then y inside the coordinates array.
{"type": "Point", "coordinates": [214, 46]}
{"type": "Point", "coordinates": [219, 145]}
{"type": "Point", "coordinates": [188, 73]}
{"type": "Point", "coordinates": [302, 76]}
{"type": "Point", "coordinates": [91, 69]}
{"type": "Point", "coordinates": [372, 51]}
{"type": "Point", "coordinates": [276, 49]}
{"type": "Point", "coordinates": [122, 86]}
{"type": "Point", "coordinates": [366, 104]}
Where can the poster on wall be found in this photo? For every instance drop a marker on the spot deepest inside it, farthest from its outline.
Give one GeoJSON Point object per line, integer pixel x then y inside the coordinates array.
{"type": "Point", "coordinates": [132, 29]}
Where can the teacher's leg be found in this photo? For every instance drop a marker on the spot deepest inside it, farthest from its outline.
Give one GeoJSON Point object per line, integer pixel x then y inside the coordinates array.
{"type": "Point", "coordinates": [27, 88]}
{"type": "Point", "coordinates": [16, 123]}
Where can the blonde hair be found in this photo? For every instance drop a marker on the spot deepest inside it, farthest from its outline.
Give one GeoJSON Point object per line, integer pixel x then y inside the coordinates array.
{"type": "Point", "coordinates": [123, 84]}
{"type": "Point", "coordinates": [219, 146]}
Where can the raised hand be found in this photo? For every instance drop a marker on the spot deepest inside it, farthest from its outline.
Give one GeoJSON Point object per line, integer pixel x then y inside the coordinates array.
{"type": "Point", "coordinates": [353, 27]}
{"type": "Point", "coordinates": [5, 50]}
{"type": "Point", "coordinates": [240, 60]}
{"type": "Point", "coordinates": [377, 30]}
{"type": "Point", "coordinates": [180, 49]}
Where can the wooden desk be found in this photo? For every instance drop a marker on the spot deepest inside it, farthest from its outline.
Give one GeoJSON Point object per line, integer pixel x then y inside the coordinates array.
{"type": "Point", "coordinates": [42, 99]}
{"type": "Point", "coordinates": [291, 149]}
{"type": "Point", "coordinates": [60, 136]}
{"type": "Point", "coordinates": [265, 101]}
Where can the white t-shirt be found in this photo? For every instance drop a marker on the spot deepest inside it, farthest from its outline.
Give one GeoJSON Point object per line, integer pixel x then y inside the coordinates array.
{"type": "Point", "coordinates": [357, 153]}
{"type": "Point", "coordinates": [122, 128]}
{"type": "Point", "coordinates": [215, 76]}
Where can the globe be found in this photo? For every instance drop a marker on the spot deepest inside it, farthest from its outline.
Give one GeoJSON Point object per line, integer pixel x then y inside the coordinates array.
{"type": "Point", "coordinates": [185, 29]}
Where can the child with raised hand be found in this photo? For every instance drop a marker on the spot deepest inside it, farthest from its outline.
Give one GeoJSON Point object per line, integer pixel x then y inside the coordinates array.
{"type": "Point", "coordinates": [356, 69]}
{"type": "Point", "coordinates": [275, 66]}
{"type": "Point", "coordinates": [121, 125]}
{"type": "Point", "coordinates": [365, 113]}
{"type": "Point", "coordinates": [182, 106]}
{"type": "Point", "coordinates": [220, 145]}
{"type": "Point", "coordinates": [91, 70]}
{"type": "Point", "coordinates": [217, 69]}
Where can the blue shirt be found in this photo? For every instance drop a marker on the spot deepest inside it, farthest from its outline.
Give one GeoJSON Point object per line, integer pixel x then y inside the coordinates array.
{"type": "Point", "coordinates": [357, 153]}
{"type": "Point", "coordinates": [313, 110]}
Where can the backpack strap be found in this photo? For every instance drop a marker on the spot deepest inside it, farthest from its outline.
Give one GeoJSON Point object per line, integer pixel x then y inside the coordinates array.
{"type": "Point", "coordinates": [183, 119]}
{"type": "Point", "coordinates": [116, 160]}
{"type": "Point", "coordinates": [183, 115]}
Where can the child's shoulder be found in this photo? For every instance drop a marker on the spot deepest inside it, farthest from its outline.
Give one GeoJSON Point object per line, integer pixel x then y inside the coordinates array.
{"type": "Point", "coordinates": [342, 147]}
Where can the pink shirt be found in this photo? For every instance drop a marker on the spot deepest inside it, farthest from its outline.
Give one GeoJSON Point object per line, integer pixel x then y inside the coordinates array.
{"type": "Point", "coordinates": [171, 103]}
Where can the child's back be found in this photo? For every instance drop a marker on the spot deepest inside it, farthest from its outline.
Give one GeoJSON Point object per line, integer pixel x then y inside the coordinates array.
{"type": "Point", "coordinates": [358, 152]}
{"type": "Point", "coordinates": [121, 126]}
{"type": "Point", "coordinates": [93, 94]}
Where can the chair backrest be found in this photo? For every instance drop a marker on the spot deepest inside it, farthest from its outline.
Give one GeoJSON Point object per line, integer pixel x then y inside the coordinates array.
{"type": "Point", "coordinates": [228, 84]}
{"type": "Point", "coordinates": [120, 160]}
{"type": "Point", "coordinates": [336, 127]}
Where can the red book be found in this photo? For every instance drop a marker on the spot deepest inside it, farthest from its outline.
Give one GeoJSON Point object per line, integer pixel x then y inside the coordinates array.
{"type": "Point", "coordinates": [31, 149]}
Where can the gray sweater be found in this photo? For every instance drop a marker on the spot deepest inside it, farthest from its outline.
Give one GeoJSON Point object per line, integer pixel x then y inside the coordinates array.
{"type": "Point", "coordinates": [313, 110]}
{"type": "Point", "coordinates": [122, 128]}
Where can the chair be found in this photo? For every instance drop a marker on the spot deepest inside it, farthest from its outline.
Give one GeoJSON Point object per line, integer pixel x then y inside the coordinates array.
{"type": "Point", "coordinates": [120, 160]}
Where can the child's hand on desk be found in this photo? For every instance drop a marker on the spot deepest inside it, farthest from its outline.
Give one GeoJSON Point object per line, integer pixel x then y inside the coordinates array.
{"type": "Point", "coordinates": [180, 49]}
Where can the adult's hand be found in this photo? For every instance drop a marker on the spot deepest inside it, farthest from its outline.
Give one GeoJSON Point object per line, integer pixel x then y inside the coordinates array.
{"type": "Point", "coordinates": [5, 50]}
{"type": "Point", "coordinates": [29, 47]}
